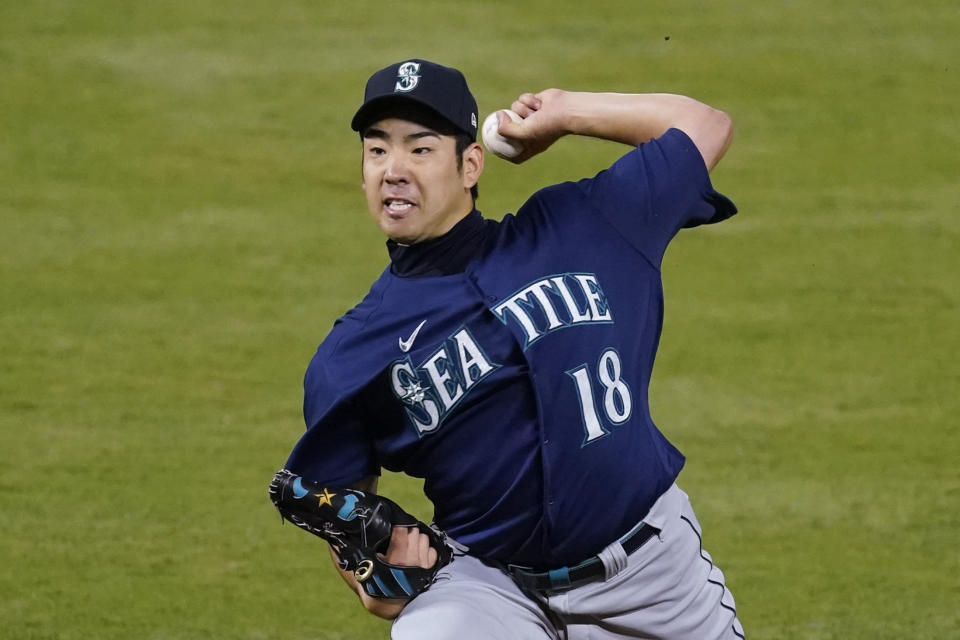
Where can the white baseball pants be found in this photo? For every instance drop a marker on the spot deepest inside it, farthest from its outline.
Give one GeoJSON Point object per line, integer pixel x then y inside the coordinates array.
{"type": "Point", "coordinates": [669, 588]}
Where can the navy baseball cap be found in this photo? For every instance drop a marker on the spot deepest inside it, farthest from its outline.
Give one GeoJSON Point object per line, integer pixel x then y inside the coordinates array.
{"type": "Point", "coordinates": [440, 89]}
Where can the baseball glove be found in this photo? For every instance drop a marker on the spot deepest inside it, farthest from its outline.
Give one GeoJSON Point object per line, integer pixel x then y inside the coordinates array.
{"type": "Point", "coordinates": [357, 525]}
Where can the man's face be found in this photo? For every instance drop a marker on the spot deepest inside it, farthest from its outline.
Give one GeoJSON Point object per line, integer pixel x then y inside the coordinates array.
{"type": "Point", "coordinates": [414, 188]}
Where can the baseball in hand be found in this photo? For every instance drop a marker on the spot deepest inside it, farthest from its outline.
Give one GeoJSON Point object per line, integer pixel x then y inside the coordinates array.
{"type": "Point", "coordinates": [498, 144]}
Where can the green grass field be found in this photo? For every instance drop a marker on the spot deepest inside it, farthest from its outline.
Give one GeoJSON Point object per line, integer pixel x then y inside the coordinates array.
{"type": "Point", "coordinates": [181, 222]}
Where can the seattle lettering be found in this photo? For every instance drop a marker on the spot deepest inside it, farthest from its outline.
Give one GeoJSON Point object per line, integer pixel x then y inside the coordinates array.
{"type": "Point", "coordinates": [553, 303]}
{"type": "Point", "coordinates": [452, 370]}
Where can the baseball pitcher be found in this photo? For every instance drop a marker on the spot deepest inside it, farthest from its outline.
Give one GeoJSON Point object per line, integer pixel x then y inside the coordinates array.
{"type": "Point", "coordinates": [507, 364]}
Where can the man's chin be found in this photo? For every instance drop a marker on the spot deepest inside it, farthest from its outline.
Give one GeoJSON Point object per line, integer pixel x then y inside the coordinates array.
{"type": "Point", "coordinates": [399, 233]}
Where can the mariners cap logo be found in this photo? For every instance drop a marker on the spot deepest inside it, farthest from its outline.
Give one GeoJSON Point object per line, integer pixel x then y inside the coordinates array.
{"type": "Point", "coordinates": [407, 77]}
{"type": "Point", "coordinates": [444, 91]}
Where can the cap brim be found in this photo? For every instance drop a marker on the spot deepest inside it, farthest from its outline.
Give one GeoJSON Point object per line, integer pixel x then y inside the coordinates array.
{"type": "Point", "coordinates": [377, 108]}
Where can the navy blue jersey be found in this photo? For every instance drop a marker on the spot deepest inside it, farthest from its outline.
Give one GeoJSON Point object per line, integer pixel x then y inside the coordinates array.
{"type": "Point", "coordinates": [517, 387]}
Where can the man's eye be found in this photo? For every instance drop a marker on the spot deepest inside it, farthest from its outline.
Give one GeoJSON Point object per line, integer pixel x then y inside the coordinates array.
{"type": "Point", "coordinates": [421, 150]}
{"type": "Point", "coordinates": [376, 151]}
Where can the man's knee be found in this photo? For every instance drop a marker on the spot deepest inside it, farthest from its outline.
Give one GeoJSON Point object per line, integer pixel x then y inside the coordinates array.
{"type": "Point", "coordinates": [443, 619]}
{"type": "Point", "coordinates": [472, 601]}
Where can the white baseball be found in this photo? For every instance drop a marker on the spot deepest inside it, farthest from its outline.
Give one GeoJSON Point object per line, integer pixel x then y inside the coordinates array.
{"type": "Point", "coordinates": [495, 142]}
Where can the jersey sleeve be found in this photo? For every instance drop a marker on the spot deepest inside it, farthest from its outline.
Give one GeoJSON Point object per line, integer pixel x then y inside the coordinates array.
{"type": "Point", "coordinates": [655, 190]}
{"type": "Point", "coordinates": [336, 448]}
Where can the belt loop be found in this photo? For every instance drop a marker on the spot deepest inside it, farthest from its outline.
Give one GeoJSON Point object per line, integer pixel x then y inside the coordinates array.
{"type": "Point", "coordinates": [453, 544]}
{"type": "Point", "coordinates": [614, 559]}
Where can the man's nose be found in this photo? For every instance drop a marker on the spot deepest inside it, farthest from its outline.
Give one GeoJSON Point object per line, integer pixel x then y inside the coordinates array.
{"type": "Point", "coordinates": [396, 170]}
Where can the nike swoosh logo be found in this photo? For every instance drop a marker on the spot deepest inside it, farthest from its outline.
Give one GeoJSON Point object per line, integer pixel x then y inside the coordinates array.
{"type": "Point", "coordinates": [405, 345]}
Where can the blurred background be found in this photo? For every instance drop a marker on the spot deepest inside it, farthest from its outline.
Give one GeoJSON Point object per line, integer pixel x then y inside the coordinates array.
{"type": "Point", "coordinates": [181, 222]}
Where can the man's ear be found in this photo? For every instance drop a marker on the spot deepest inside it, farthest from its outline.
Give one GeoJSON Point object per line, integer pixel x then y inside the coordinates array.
{"type": "Point", "coordinates": [472, 165]}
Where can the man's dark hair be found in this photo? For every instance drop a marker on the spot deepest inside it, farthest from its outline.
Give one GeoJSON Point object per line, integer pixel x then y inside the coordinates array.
{"type": "Point", "coordinates": [429, 119]}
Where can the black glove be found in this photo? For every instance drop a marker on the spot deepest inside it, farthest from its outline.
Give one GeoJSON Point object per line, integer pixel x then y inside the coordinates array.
{"type": "Point", "coordinates": [358, 526]}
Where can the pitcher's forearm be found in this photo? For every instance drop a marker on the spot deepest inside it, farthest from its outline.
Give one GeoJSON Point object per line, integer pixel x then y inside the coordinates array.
{"type": "Point", "coordinates": [635, 118]}
{"type": "Point", "coordinates": [630, 118]}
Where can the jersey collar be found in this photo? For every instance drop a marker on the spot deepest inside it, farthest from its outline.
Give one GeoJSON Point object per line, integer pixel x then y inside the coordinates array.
{"type": "Point", "coordinates": [443, 256]}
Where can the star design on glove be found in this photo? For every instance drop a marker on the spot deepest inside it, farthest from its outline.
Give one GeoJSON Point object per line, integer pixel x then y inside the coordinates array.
{"type": "Point", "coordinates": [414, 393]}
{"type": "Point", "coordinates": [325, 498]}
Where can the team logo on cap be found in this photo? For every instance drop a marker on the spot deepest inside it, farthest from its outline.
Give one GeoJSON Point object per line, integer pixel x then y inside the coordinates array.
{"type": "Point", "coordinates": [407, 77]}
